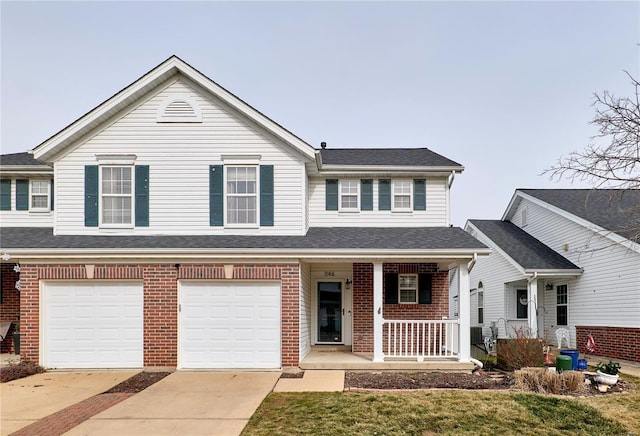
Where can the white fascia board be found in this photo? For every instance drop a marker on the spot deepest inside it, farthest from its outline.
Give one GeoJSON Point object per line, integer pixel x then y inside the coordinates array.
{"type": "Point", "coordinates": [344, 169]}
{"type": "Point", "coordinates": [494, 246]}
{"type": "Point", "coordinates": [41, 170]}
{"type": "Point", "coordinates": [601, 231]}
{"type": "Point", "coordinates": [173, 65]}
{"type": "Point", "coordinates": [32, 254]}
{"type": "Point", "coordinates": [511, 207]}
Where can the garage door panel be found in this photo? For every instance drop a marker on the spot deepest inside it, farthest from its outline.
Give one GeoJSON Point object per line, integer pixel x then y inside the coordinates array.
{"type": "Point", "coordinates": [236, 316]}
{"type": "Point", "coordinates": [93, 325]}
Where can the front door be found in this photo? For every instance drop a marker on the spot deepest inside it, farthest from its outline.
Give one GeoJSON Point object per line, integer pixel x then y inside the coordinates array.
{"type": "Point", "coordinates": [330, 312]}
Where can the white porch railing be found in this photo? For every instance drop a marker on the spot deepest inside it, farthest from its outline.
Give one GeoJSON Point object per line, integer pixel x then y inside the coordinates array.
{"type": "Point", "coordinates": [420, 339]}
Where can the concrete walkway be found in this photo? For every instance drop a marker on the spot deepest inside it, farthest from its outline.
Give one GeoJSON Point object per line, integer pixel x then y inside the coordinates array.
{"type": "Point", "coordinates": [30, 399]}
{"type": "Point", "coordinates": [186, 403]}
{"type": "Point", "coordinates": [313, 381]}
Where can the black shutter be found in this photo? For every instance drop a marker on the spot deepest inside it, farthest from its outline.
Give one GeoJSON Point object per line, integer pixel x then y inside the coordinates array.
{"type": "Point", "coordinates": [216, 196]}
{"type": "Point", "coordinates": [91, 195]}
{"type": "Point", "coordinates": [419, 194]}
{"type": "Point", "coordinates": [142, 195]}
{"type": "Point", "coordinates": [266, 195]}
{"type": "Point", "coordinates": [384, 194]}
{"type": "Point", "coordinates": [331, 195]}
{"type": "Point", "coordinates": [424, 288]}
{"type": "Point", "coordinates": [366, 194]}
{"type": "Point", "coordinates": [391, 288]}
{"type": "Point", "coordinates": [22, 194]}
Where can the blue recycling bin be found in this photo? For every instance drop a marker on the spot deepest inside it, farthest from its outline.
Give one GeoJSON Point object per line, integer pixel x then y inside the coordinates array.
{"type": "Point", "coordinates": [574, 354]}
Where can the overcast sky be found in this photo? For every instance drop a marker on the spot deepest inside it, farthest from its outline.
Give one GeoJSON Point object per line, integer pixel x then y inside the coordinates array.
{"type": "Point", "coordinates": [504, 88]}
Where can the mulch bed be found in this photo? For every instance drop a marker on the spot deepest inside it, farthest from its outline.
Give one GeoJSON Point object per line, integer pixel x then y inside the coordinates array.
{"type": "Point", "coordinates": [138, 382]}
{"type": "Point", "coordinates": [427, 380]}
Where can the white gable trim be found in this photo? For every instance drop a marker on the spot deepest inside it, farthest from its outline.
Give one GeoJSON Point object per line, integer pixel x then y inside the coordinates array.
{"type": "Point", "coordinates": [172, 66]}
{"type": "Point", "coordinates": [601, 231]}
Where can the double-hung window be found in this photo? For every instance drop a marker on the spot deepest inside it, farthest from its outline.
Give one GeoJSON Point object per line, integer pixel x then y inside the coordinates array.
{"type": "Point", "coordinates": [408, 288]}
{"type": "Point", "coordinates": [40, 195]}
{"type": "Point", "coordinates": [480, 307]}
{"type": "Point", "coordinates": [402, 195]}
{"type": "Point", "coordinates": [561, 305]}
{"type": "Point", "coordinates": [242, 197]}
{"type": "Point", "coordinates": [116, 196]}
{"type": "Point", "coordinates": [349, 195]}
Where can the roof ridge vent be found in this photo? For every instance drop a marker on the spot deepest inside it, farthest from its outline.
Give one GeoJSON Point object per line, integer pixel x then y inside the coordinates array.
{"type": "Point", "coordinates": [179, 108]}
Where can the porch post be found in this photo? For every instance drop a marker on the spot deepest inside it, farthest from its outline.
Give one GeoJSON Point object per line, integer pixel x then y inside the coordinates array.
{"type": "Point", "coordinates": [464, 316]}
{"type": "Point", "coordinates": [378, 356]}
{"type": "Point", "coordinates": [532, 307]}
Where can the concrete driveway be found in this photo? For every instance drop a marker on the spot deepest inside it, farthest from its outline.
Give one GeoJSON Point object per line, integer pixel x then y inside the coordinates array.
{"type": "Point", "coordinates": [186, 403]}
{"type": "Point", "coordinates": [27, 400]}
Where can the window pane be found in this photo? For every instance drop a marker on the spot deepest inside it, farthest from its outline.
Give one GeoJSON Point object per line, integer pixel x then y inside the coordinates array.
{"type": "Point", "coordinates": [39, 201]}
{"type": "Point", "coordinates": [116, 180]}
{"type": "Point", "coordinates": [349, 201]}
{"type": "Point", "coordinates": [480, 315]}
{"type": "Point", "coordinates": [521, 303]}
{"type": "Point", "coordinates": [561, 315]}
{"type": "Point", "coordinates": [40, 187]}
{"type": "Point", "coordinates": [407, 296]}
{"type": "Point", "coordinates": [402, 202]}
{"type": "Point", "coordinates": [241, 210]}
{"type": "Point", "coordinates": [402, 187]}
{"type": "Point", "coordinates": [116, 210]}
{"type": "Point", "coordinates": [408, 281]}
{"type": "Point", "coordinates": [349, 187]}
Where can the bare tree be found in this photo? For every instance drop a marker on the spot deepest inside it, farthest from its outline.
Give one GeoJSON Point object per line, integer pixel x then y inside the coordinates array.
{"type": "Point", "coordinates": [612, 158]}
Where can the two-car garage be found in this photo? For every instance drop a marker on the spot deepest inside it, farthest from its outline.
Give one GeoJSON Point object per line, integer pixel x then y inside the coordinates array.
{"type": "Point", "coordinates": [224, 324]}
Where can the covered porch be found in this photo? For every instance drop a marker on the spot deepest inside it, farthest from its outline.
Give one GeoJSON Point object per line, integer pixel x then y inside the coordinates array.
{"type": "Point", "coordinates": [386, 314]}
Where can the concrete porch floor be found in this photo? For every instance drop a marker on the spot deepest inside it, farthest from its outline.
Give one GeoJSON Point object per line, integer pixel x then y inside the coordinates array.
{"type": "Point", "coordinates": [342, 358]}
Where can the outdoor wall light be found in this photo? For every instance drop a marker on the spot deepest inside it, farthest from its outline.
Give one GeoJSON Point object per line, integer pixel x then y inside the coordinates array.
{"type": "Point", "coordinates": [348, 283]}
{"type": "Point", "coordinates": [549, 286]}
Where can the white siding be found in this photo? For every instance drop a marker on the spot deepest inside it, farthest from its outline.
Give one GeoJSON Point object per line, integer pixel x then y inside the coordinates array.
{"type": "Point", "coordinates": [435, 215]}
{"type": "Point", "coordinates": [305, 309]}
{"type": "Point", "coordinates": [494, 271]}
{"type": "Point", "coordinates": [179, 155]}
{"type": "Point", "coordinates": [608, 292]}
{"type": "Point", "coordinates": [25, 218]}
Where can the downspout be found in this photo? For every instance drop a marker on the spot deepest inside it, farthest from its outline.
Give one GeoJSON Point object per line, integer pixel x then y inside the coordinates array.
{"type": "Point", "coordinates": [471, 264]}
{"type": "Point", "coordinates": [477, 363]}
{"type": "Point", "coordinates": [450, 179]}
{"type": "Point", "coordinates": [535, 276]}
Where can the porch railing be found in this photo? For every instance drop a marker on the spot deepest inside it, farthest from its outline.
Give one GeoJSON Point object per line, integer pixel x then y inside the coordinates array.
{"type": "Point", "coordinates": [420, 339]}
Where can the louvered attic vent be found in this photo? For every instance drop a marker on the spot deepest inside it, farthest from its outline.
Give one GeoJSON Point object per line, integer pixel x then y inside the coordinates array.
{"type": "Point", "coordinates": [179, 109]}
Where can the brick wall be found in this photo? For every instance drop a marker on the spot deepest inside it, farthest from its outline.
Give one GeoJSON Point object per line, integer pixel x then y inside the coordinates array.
{"type": "Point", "coordinates": [611, 342]}
{"type": "Point", "coordinates": [161, 301]}
{"type": "Point", "coordinates": [363, 300]}
{"type": "Point", "coordinates": [10, 305]}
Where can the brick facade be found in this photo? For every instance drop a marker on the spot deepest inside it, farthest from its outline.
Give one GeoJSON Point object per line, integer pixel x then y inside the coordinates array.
{"type": "Point", "coordinates": [160, 288]}
{"type": "Point", "coordinates": [611, 342]}
{"type": "Point", "coordinates": [363, 300]}
{"type": "Point", "coordinates": [10, 304]}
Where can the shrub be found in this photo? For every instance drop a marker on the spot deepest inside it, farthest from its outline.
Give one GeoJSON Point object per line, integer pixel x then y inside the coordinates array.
{"type": "Point", "coordinates": [14, 371]}
{"type": "Point", "coordinates": [542, 381]}
{"type": "Point", "coordinates": [519, 351]}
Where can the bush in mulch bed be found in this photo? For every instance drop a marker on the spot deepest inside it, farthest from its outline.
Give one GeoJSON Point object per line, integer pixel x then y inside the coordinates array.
{"type": "Point", "coordinates": [14, 371]}
{"type": "Point", "coordinates": [426, 380]}
{"type": "Point", "coordinates": [138, 382]}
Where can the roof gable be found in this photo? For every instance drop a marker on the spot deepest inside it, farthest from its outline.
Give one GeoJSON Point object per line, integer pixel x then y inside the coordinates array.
{"type": "Point", "coordinates": [525, 251]}
{"type": "Point", "coordinates": [58, 143]}
{"type": "Point", "coordinates": [615, 212]}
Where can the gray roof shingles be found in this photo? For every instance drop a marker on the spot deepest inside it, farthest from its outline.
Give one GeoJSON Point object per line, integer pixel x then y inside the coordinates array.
{"type": "Point", "coordinates": [527, 251]}
{"type": "Point", "coordinates": [385, 156]}
{"type": "Point", "coordinates": [616, 210]}
{"type": "Point", "coordinates": [20, 159]}
{"type": "Point", "coordinates": [426, 238]}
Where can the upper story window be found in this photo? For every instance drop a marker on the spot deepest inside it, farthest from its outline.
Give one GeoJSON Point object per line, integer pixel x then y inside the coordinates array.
{"type": "Point", "coordinates": [402, 195]}
{"type": "Point", "coordinates": [116, 195]}
{"type": "Point", "coordinates": [40, 195]}
{"type": "Point", "coordinates": [116, 192]}
{"type": "Point", "coordinates": [349, 195]}
{"type": "Point", "coordinates": [242, 195]}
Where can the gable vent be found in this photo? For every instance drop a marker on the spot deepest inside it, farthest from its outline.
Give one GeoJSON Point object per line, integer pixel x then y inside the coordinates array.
{"type": "Point", "coordinates": [179, 109]}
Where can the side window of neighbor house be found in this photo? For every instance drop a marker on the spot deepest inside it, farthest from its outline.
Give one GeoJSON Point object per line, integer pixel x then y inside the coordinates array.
{"type": "Point", "coordinates": [561, 305]}
{"type": "Point", "coordinates": [480, 307]}
{"type": "Point", "coordinates": [407, 288]}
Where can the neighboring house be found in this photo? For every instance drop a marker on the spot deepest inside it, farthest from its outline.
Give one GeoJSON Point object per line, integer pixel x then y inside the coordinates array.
{"type": "Point", "coordinates": [563, 258]}
{"type": "Point", "coordinates": [192, 231]}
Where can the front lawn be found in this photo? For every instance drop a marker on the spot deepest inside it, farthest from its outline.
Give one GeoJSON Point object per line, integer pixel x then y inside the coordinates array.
{"type": "Point", "coordinates": [444, 412]}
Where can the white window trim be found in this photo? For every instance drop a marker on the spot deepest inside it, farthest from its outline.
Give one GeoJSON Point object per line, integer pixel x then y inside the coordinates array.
{"type": "Point", "coordinates": [562, 305]}
{"type": "Point", "coordinates": [340, 195]}
{"type": "Point", "coordinates": [393, 196]}
{"type": "Point", "coordinates": [227, 224]}
{"type": "Point", "coordinates": [102, 224]}
{"type": "Point", "coordinates": [400, 289]}
{"type": "Point", "coordinates": [32, 194]}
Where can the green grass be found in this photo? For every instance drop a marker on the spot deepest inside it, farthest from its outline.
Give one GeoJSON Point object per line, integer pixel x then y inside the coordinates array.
{"type": "Point", "coordinates": [443, 412]}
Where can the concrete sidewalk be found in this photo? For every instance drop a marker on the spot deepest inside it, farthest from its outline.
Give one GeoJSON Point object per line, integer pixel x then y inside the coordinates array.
{"type": "Point", "coordinates": [186, 403]}
{"type": "Point", "coordinates": [313, 381]}
{"type": "Point", "coordinates": [30, 399]}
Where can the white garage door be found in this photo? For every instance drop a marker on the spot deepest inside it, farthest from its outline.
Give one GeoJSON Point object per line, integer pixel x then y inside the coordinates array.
{"type": "Point", "coordinates": [92, 325]}
{"type": "Point", "coordinates": [229, 325]}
